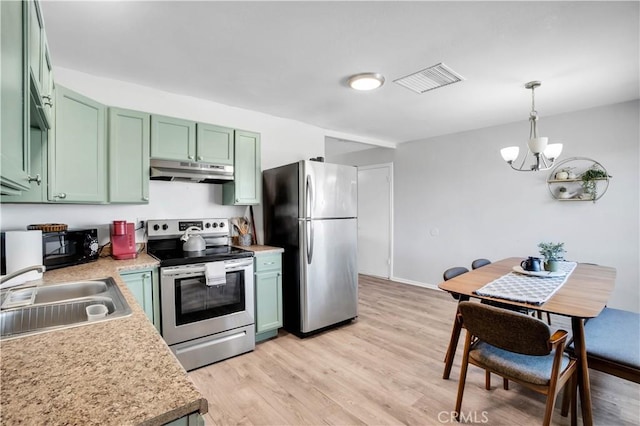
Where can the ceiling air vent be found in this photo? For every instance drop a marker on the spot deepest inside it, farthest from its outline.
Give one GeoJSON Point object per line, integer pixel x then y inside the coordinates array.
{"type": "Point", "coordinates": [430, 78]}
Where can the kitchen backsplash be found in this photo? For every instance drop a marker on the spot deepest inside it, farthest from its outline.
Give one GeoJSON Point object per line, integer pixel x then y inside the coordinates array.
{"type": "Point", "coordinates": [167, 200]}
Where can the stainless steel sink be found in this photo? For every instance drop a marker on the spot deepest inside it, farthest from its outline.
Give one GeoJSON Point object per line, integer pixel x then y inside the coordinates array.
{"type": "Point", "coordinates": [31, 310]}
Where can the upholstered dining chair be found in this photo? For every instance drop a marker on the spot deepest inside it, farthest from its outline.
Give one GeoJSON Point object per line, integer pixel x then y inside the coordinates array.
{"type": "Point", "coordinates": [519, 348]}
{"type": "Point", "coordinates": [612, 342]}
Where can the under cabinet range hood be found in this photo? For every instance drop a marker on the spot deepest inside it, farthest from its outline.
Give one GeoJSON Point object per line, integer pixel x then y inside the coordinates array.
{"type": "Point", "coordinates": [190, 171]}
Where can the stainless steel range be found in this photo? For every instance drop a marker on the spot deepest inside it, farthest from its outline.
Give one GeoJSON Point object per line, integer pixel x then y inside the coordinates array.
{"type": "Point", "coordinates": [206, 295]}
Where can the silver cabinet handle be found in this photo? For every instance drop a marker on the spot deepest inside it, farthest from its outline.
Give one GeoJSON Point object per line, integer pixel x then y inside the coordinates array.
{"type": "Point", "coordinates": [145, 276]}
{"type": "Point", "coordinates": [61, 195]}
{"type": "Point", "coordinates": [269, 263]}
{"type": "Point", "coordinates": [37, 179]}
{"type": "Point", "coordinates": [237, 200]}
{"type": "Point", "coordinates": [199, 157]}
{"type": "Point", "coordinates": [190, 157]}
{"type": "Point", "coordinates": [145, 198]}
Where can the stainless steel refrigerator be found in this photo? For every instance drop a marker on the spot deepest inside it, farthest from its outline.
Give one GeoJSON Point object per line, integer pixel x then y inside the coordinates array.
{"type": "Point", "coordinates": [310, 209]}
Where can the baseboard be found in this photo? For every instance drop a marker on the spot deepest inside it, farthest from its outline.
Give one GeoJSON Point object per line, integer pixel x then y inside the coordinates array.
{"type": "Point", "coordinates": [415, 283]}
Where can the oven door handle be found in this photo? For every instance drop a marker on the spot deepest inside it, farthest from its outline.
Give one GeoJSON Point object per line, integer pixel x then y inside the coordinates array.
{"type": "Point", "coordinates": [181, 271]}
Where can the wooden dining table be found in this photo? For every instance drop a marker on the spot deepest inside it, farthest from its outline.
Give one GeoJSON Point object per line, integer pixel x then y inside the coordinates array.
{"type": "Point", "coordinates": [584, 295]}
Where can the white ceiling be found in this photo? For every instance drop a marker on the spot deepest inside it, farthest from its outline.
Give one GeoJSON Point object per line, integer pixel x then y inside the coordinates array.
{"type": "Point", "coordinates": [291, 59]}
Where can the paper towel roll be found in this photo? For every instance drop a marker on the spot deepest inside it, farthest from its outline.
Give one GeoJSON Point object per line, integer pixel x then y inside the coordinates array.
{"type": "Point", "coordinates": [23, 248]}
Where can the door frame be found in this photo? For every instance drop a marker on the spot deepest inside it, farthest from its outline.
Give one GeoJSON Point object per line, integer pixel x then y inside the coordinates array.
{"type": "Point", "coordinates": [388, 166]}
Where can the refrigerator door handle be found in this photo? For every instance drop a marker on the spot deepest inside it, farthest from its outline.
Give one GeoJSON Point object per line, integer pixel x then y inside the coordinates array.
{"type": "Point", "coordinates": [309, 225]}
{"type": "Point", "coordinates": [309, 197]}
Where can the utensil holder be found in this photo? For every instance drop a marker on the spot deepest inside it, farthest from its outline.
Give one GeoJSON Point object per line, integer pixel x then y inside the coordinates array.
{"type": "Point", "coordinates": [244, 239]}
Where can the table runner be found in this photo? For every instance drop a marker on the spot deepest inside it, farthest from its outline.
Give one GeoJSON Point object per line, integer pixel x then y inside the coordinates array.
{"type": "Point", "coordinates": [526, 288]}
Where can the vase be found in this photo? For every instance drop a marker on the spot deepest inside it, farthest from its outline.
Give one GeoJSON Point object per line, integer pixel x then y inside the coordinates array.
{"type": "Point", "coordinates": [551, 265]}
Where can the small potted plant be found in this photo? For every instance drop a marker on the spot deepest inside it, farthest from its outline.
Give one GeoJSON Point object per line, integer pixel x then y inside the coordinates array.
{"type": "Point", "coordinates": [589, 184]}
{"type": "Point", "coordinates": [552, 253]}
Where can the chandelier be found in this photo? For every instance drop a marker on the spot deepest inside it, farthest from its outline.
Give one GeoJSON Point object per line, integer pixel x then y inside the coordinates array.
{"type": "Point", "coordinates": [543, 153]}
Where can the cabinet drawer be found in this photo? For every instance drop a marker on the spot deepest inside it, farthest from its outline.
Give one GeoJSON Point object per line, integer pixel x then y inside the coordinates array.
{"type": "Point", "coordinates": [268, 262]}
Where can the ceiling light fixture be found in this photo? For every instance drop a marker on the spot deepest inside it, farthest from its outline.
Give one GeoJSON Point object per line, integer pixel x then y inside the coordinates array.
{"type": "Point", "coordinates": [366, 81]}
{"type": "Point", "coordinates": [544, 154]}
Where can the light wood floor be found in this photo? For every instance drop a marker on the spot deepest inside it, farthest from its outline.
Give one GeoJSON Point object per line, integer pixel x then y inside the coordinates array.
{"type": "Point", "coordinates": [385, 368]}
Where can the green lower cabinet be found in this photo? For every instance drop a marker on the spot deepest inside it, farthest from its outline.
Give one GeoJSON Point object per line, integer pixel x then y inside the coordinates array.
{"type": "Point", "coordinates": [268, 294]}
{"type": "Point", "coordinates": [128, 156]}
{"type": "Point", "coordinates": [193, 419]}
{"type": "Point", "coordinates": [246, 187]}
{"type": "Point", "coordinates": [143, 284]}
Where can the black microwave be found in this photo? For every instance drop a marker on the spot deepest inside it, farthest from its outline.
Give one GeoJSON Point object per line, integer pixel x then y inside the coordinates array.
{"type": "Point", "coordinates": [67, 248]}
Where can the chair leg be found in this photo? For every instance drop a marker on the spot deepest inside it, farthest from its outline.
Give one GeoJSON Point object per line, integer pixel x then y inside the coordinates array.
{"type": "Point", "coordinates": [567, 396]}
{"type": "Point", "coordinates": [463, 376]}
{"type": "Point", "coordinates": [548, 318]}
{"type": "Point", "coordinates": [451, 350]}
{"type": "Point", "coordinates": [574, 400]}
{"type": "Point", "coordinates": [505, 384]}
{"type": "Point", "coordinates": [487, 379]}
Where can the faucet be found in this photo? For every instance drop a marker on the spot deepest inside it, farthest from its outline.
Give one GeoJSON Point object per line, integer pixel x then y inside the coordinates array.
{"type": "Point", "coordinates": [39, 268]}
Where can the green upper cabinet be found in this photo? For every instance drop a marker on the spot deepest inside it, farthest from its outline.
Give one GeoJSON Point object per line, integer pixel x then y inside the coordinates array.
{"type": "Point", "coordinates": [173, 138]}
{"type": "Point", "coordinates": [214, 144]}
{"type": "Point", "coordinates": [41, 80]}
{"type": "Point", "coordinates": [14, 113]}
{"type": "Point", "coordinates": [77, 151]}
{"type": "Point", "coordinates": [37, 192]}
{"type": "Point", "coordinates": [247, 184]}
{"type": "Point", "coordinates": [128, 156]}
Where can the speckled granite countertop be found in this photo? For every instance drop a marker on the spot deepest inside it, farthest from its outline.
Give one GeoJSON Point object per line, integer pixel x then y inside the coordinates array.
{"type": "Point", "coordinates": [117, 372]}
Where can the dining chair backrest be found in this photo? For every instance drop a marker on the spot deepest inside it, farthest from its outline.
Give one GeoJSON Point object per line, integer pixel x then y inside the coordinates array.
{"type": "Point", "coordinates": [454, 272]}
{"type": "Point", "coordinates": [479, 263]}
{"type": "Point", "coordinates": [507, 330]}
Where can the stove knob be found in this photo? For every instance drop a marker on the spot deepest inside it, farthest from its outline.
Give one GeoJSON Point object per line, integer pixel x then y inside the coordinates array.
{"type": "Point", "coordinates": [165, 227]}
{"type": "Point", "coordinates": [156, 227]}
{"type": "Point", "coordinates": [215, 225]}
{"type": "Point", "coordinates": [208, 225]}
{"type": "Point", "coordinates": [221, 224]}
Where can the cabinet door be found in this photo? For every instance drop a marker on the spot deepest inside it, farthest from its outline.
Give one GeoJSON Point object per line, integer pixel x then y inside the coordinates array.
{"type": "Point", "coordinates": [37, 192]}
{"type": "Point", "coordinates": [36, 33]}
{"type": "Point", "coordinates": [214, 144]}
{"type": "Point", "coordinates": [268, 301]}
{"type": "Point", "coordinates": [140, 285]}
{"type": "Point", "coordinates": [172, 138]}
{"type": "Point", "coordinates": [14, 155]}
{"type": "Point", "coordinates": [77, 151]}
{"type": "Point", "coordinates": [247, 183]}
{"type": "Point", "coordinates": [128, 156]}
{"type": "Point", "coordinates": [47, 85]}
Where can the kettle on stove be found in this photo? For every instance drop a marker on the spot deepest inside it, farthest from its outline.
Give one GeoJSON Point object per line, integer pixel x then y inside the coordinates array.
{"type": "Point", "coordinates": [193, 242]}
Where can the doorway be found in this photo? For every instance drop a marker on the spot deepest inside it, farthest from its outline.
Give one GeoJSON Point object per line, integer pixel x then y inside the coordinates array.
{"type": "Point", "coordinates": [375, 220]}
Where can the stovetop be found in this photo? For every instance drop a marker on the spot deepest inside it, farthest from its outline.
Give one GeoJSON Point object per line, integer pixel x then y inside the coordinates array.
{"type": "Point", "coordinates": [165, 245]}
{"type": "Point", "coordinates": [176, 256]}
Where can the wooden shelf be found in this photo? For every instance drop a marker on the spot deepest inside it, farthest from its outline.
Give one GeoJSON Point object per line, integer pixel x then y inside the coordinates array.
{"type": "Point", "coordinates": [575, 185]}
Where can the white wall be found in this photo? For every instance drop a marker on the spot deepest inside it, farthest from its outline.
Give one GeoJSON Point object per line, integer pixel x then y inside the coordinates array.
{"type": "Point", "coordinates": [456, 199]}
{"type": "Point", "coordinates": [283, 141]}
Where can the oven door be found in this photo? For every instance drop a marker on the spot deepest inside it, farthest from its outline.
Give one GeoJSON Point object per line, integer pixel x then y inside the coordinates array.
{"type": "Point", "coordinates": [192, 309]}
